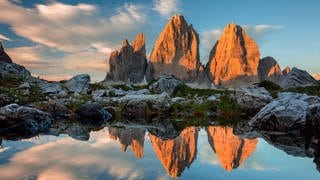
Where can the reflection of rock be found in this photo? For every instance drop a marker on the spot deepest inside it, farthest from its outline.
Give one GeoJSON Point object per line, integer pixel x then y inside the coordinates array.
{"type": "Point", "coordinates": [177, 153]}
{"type": "Point", "coordinates": [133, 137]}
{"type": "Point", "coordinates": [230, 149]}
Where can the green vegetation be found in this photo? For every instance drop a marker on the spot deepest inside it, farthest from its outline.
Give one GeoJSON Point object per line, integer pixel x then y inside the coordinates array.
{"type": "Point", "coordinates": [310, 90]}
{"type": "Point", "coordinates": [127, 88]}
{"type": "Point", "coordinates": [96, 86]}
{"type": "Point", "coordinates": [183, 90]}
{"type": "Point", "coordinates": [270, 86]}
{"type": "Point", "coordinates": [10, 82]}
{"type": "Point", "coordinates": [78, 102]}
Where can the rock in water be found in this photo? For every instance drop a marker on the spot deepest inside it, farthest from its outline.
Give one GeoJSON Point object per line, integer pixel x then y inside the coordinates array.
{"type": "Point", "coordinates": [176, 51]}
{"type": "Point", "coordinates": [291, 111]}
{"type": "Point", "coordinates": [130, 63]}
{"type": "Point", "coordinates": [234, 59]}
{"type": "Point", "coordinates": [269, 69]}
{"type": "Point", "coordinates": [79, 84]}
{"type": "Point", "coordinates": [286, 71]}
{"type": "Point", "coordinates": [4, 56]}
{"type": "Point", "coordinates": [25, 119]}
{"type": "Point", "coordinates": [165, 83]}
{"type": "Point", "coordinates": [92, 113]}
{"type": "Point", "coordinates": [298, 78]}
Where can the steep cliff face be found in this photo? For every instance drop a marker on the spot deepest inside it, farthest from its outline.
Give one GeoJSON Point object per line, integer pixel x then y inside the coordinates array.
{"type": "Point", "coordinates": [133, 137]}
{"type": "Point", "coordinates": [176, 51]}
{"type": "Point", "coordinates": [230, 149]}
{"type": "Point", "coordinates": [178, 153]}
{"type": "Point", "coordinates": [269, 69]}
{"type": "Point", "coordinates": [130, 63]}
{"type": "Point", "coordinates": [3, 55]}
{"type": "Point", "coordinates": [286, 71]}
{"type": "Point", "coordinates": [234, 59]}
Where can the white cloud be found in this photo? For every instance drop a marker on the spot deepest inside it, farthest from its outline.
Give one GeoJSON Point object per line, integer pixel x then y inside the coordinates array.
{"type": "Point", "coordinates": [209, 38]}
{"type": "Point", "coordinates": [3, 37]}
{"type": "Point", "coordinates": [166, 7]}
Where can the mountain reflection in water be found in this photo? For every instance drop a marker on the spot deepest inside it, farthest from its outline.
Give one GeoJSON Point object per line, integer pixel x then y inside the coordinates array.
{"type": "Point", "coordinates": [94, 153]}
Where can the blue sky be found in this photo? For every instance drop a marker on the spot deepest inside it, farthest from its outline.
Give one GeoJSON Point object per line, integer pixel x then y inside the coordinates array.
{"type": "Point", "coordinates": [56, 39]}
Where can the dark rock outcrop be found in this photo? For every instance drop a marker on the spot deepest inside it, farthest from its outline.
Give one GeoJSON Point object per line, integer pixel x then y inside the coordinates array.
{"type": "Point", "coordinates": [79, 84]}
{"type": "Point", "coordinates": [298, 78]}
{"type": "Point", "coordinates": [176, 51]}
{"type": "Point", "coordinates": [130, 63]}
{"type": "Point", "coordinates": [3, 55]}
{"type": "Point", "coordinates": [269, 69]}
{"type": "Point", "coordinates": [234, 59]}
{"type": "Point", "coordinates": [12, 70]}
{"type": "Point", "coordinates": [92, 112]}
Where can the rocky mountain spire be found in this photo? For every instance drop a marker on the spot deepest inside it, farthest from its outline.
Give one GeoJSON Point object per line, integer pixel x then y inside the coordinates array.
{"type": "Point", "coordinates": [269, 69]}
{"type": "Point", "coordinates": [176, 51]}
{"type": "Point", "coordinates": [234, 59]}
{"type": "Point", "coordinates": [3, 55]}
{"type": "Point", "coordinates": [286, 71]}
{"type": "Point", "coordinates": [230, 149]}
{"type": "Point", "coordinates": [129, 64]}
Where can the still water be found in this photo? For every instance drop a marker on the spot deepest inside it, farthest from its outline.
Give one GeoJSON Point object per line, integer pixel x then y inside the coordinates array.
{"type": "Point", "coordinates": [138, 152]}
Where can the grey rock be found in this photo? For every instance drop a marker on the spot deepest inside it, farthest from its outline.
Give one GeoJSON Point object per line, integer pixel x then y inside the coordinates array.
{"type": "Point", "coordinates": [79, 84]}
{"type": "Point", "coordinates": [252, 97]}
{"type": "Point", "coordinates": [92, 112]}
{"type": "Point", "coordinates": [165, 83]}
{"type": "Point", "coordinates": [13, 70]}
{"type": "Point", "coordinates": [3, 55]}
{"type": "Point", "coordinates": [30, 120]}
{"type": "Point", "coordinates": [139, 92]}
{"type": "Point", "coordinates": [212, 98]}
{"type": "Point", "coordinates": [298, 78]}
{"type": "Point", "coordinates": [291, 111]}
{"type": "Point", "coordinates": [4, 100]}
{"type": "Point", "coordinates": [269, 69]}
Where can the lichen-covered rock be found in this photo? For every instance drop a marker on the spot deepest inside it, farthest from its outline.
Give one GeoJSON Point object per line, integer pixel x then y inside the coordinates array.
{"type": "Point", "coordinates": [165, 83]}
{"type": "Point", "coordinates": [298, 78]}
{"type": "Point", "coordinates": [252, 97]}
{"type": "Point", "coordinates": [79, 84]}
{"type": "Point", "coordinates": [130, 63]}
{"type": "Point", "coordinates": [28, 120]}
{"type": "Point", "coordinates": [234, 59]}
{"type": "Point", "coordinates": [269, 69]}
{"type": "Point", "coordinates": [176, 51]}
{"type": "Point", "coordinates": [291, 111]}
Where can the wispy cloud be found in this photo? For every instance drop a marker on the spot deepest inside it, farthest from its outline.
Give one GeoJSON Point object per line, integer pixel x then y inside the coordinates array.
{"type": "Point", "coordinates": [3, 37]}
{"type": "Point", "coordinates": [166, 7]}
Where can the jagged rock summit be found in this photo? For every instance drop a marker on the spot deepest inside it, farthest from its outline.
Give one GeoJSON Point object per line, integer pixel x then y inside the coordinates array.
{"type": "Point", "coordinates": [3, 55]}
{"type": "Point", "coordinates": [269, 69]}
{"type": "Point", "coordinates": [130, 62]}
{"type": "Point", "coordinates": [286, 71]}
{"type": "Point", "coordinates": [176, 51]}
{"type": "Point", "coordinates": [298, 78]}
{"type": "Point", "coordinates": [234, 59]}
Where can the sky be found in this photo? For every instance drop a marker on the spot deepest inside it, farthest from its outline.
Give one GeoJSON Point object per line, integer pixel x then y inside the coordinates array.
{"type": "Point", "coordinates": [56, 39]}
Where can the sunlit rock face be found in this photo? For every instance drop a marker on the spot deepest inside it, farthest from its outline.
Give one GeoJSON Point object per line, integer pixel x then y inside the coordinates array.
{"type": "Point", "coordinates": [176, 51]}
{"type": "Point", "coordinates": [177, 153]}
{"type": "Point", "coordinates": [133, 137]}
{"type": "Point", "coordinates": [129, 63]}
{"type": "Point", "coordinates": [230, 149]}
{"type": "Point", "coordinates": [286, 71]}
{"type": "Point", "coordinates": [234, 59]}
{"type": "Point", "coordinates": [269, 69]}
{"type": "Point", "coordinates": [316, 76]}
{"type": "Point", "coordinates": [3, 55]}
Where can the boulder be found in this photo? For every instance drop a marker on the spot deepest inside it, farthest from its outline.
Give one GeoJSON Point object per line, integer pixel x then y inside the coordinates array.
{"type": "Point", "coordinates": [298, 78]}
{"type": "Point", "coordinates": [4, 100]}
{"type": "Point", "coordinates": [165, 83]}
{"type": "Point", "coordinates": [55, 108]}
{"type": "Point", "coordinates": [234, 59]}
{"type": "Point", "coordinates": [92, 113]}
{"type": "Point", "coordinates": [79, 84]}
{"type": "Point", "coordinates": [139, 105]}
{"type": "Point", "coordinates": [13, 70]}
{"type": "Point", "coordinates": [289, 112]}
{"type": "Point", "coordinates": [25, 119]}
{"type": "Point", "coordinates": [176, 51]}
{"type": "Point", "coordinates": [252, 97]}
